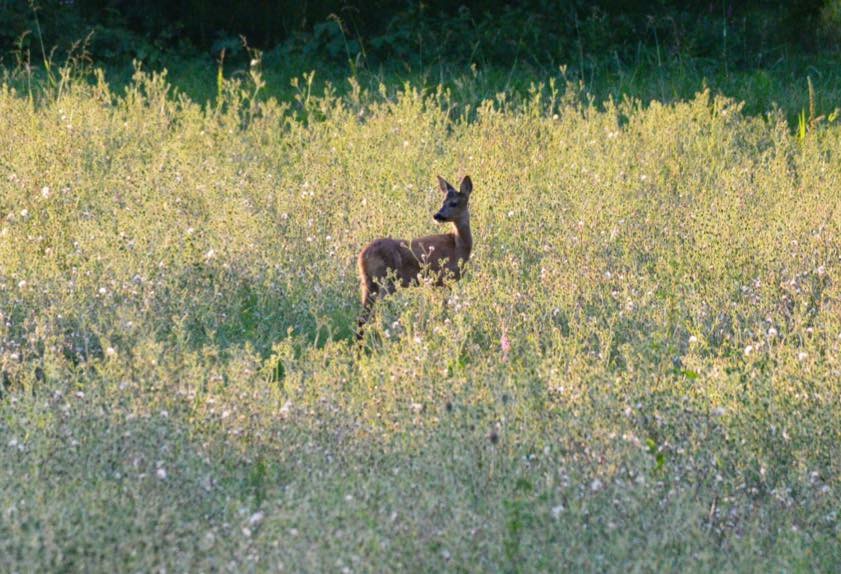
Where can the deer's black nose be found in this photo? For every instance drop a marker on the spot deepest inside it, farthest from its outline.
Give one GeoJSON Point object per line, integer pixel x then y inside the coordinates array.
{"type": "Point", "coordinates": [438, 217]}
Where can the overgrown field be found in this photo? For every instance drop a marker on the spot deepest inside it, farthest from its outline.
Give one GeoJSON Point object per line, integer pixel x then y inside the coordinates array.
{"type": "Point", "coordinates": [639, 371]}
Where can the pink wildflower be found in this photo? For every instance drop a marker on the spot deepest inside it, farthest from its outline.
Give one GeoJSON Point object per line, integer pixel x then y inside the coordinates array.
{"type": "Point", "coordinates": [505, 345]}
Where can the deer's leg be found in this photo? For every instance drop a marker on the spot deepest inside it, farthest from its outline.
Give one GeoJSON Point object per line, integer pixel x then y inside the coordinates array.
{"type": "Point", "coordinates": [368, 291]}
{"type": "Point", "coordinates": [370, 265]}
{"type": "Point", "coordinates": [377, 264]}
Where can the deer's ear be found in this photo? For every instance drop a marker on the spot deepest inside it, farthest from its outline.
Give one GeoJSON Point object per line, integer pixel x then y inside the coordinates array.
{"type": "Point", "coordinates": [466, 185]}
{"type": "Point", "coordinates": [444, 185]}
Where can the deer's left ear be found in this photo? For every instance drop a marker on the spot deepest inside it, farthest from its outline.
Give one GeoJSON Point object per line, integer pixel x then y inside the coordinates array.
{"type": "Point", "coordinates": [445, 186]}
{"type": "Point", "coordinates": [466, 186]}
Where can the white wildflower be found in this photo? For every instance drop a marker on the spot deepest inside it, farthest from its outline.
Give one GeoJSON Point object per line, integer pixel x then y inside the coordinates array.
{"type": "Point", "coordinates": [284, 410]}
{"type": "Point", "coordinates": [161, 473]}
{"type": "Point", "coordinates": [45, 192]}
{"type": "Point", "coordinates": [209, 541]}
{"type": "Point", "coordinates": [256, 518]}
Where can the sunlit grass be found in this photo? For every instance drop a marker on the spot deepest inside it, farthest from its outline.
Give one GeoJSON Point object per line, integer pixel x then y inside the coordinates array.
{"type": "Point", "coordinates": [640, 368]}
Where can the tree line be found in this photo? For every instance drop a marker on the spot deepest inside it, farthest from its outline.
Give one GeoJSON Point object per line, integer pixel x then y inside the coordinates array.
{"type": "Point", "coordinates": [539, 31]}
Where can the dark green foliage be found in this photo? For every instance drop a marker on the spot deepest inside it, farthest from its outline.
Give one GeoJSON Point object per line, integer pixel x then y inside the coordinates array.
{"type": "Point", "coordinates": [387, 32]}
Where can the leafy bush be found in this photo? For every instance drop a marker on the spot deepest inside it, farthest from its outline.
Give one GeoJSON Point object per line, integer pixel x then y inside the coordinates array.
{"type": "Point", "coordinates": [416, 34]}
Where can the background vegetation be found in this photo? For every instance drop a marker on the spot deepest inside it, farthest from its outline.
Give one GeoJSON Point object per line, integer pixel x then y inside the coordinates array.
{"type": "Point", "coordinates": [639, 371]}
{"type": "Point", "coordinates": [760, 52]}
{"type": "Point", "coordinates": [414, 33]}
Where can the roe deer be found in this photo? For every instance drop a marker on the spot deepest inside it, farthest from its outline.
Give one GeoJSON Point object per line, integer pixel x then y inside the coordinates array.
{"type": "Point", "coordinates": [443, 254]}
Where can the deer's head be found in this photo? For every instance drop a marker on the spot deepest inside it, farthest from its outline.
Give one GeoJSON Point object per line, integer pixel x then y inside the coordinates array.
{"type": "Point", "coordinates": [455, 202]}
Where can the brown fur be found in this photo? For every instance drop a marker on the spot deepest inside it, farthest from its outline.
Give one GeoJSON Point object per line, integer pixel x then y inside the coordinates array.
{"type": "Point", "coordinates": [385, 262]}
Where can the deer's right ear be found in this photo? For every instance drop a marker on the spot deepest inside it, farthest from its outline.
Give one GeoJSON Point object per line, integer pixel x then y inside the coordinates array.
{"type": "Point", "coordinates": [445, 186]}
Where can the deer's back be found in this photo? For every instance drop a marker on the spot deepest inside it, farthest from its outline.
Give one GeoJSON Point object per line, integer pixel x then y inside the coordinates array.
{"type": "Point", "coordinates": [406, 258]}
{"type": "Point", "coordinates": [386, 253]}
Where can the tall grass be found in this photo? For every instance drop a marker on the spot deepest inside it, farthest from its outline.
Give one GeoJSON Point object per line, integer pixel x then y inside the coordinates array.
{"type": "Point", "coordinates": [639, 370]}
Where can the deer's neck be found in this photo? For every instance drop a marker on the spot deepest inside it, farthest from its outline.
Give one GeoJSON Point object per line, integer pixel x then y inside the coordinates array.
{"type": "Point", "coordinates": [464, 240]}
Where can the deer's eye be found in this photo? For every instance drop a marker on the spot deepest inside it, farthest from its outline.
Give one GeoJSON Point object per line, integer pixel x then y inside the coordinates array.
{"type": "Point", "coordinates": [453, 204]}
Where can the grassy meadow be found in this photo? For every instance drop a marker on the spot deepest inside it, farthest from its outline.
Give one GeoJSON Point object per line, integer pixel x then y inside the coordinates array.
{"type": "Point", "coordinates": [640, 370]}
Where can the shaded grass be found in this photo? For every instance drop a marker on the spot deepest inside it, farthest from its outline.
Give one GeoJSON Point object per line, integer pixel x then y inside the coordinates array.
{"type": "Point", "coordinates": [778, 81]}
